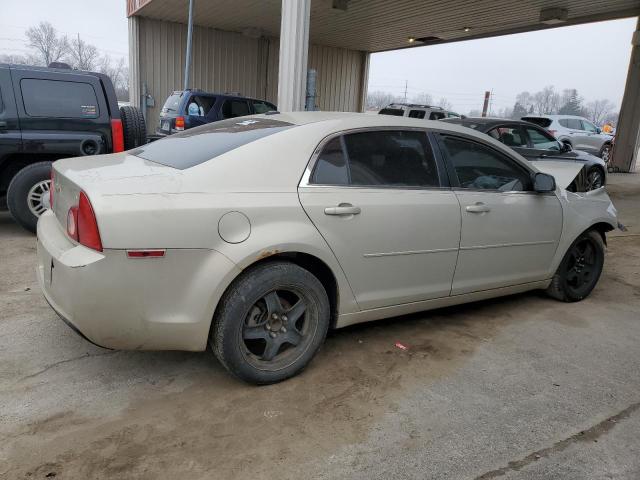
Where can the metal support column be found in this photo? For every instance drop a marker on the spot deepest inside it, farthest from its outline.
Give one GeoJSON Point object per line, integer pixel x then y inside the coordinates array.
{"type": "Point", "coordinates": [294, 50]}
{"type": "Point", "coordinates": [187, 60]}
{"type": "Point", "coordinates": [627, 143]}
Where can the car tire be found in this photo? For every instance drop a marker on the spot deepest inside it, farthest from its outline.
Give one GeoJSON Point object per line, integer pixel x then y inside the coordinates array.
{"type": "Point", "coordinates": [270, 322]}
{"type": "Point", "coordinates": [134, 127]}
{"type": "Point", "coordinates": [580, 269]}
{"type": "Point", "coordinates": [605, 153]}
{"type": "Point", "coordinates": [595, 178]}
{"type": "Point", "coordinates": [28, 194]}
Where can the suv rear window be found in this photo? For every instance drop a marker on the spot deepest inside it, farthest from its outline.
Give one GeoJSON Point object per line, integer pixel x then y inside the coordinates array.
{"type": "Point", "coordinates": [543, 122]}
{"type": "Point", "coordinates": [173, 103]}
{"type": "Point", "coordinates": [398, 112]}
{"type": "Point", "coordinates": [198, 145]}
{"type": "Point", "coordinates": [59, 99]}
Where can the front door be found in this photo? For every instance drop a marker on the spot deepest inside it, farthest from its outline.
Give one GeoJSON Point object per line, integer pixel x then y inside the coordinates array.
{"type": "Point", "coordinates": [509, 233]}
{"type": "Point", "coordinates": [379, 199]}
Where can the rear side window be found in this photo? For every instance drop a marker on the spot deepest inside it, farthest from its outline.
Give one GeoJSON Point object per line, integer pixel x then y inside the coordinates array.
{"type": "Point", "coordinates": [60, 99]}
{"type": "Point", "coordinates": [417, 113]}
{"type": "Point", "coordinates": [200, 105]}
{"type": "Point", "coordinates": [381, 158]}
{"type": "Point", "coordinates": [198, 145]}
{"type": "Point", "coordinates": [479, 167]}
{"type": "Point", "coordinates": [331, 166]}
{"type": "Point", "coordinates": [398, 112]}
{"type": "Point", "coordinates": [235, 108]}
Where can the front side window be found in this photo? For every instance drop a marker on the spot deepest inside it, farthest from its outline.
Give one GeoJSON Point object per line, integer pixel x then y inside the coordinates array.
{"type": "Point", "coordinates": [235, 108]}
{"type": "Point", "coordinates": [436, 115]}
{"type": "Point", "coordinates": [589, 127]}
{"type": "Point", "coordinates": [394, 158]}
{"type": "Point", "coordinates": [59, 99]}
{"type": "Point", "coordinates": [542, 140]}
{"type": "Point", "coordinates": [416, 113]}
{"type": "Point", "coordinates": [480, 167]}
{"type": "Point", "coordinates": [511, 136]}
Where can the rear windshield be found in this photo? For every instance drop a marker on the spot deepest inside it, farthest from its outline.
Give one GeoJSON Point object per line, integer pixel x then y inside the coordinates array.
{"type": "Point", "coordinates": [198, 145]}
{"type": "Point", "coordinates": [173, 103]}
{"type": "Point", "coordinates": [398, 112]}
{"type": "Point", "coordinates": [543, 122]}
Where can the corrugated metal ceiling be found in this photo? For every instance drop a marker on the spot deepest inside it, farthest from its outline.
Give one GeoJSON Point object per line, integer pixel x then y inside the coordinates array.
{"type": "Point", "coordinates": [376, 25]}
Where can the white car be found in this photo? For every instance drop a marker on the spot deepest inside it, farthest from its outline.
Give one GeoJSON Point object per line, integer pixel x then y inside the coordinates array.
{"type": "Point", "coordinates": [256, 235]}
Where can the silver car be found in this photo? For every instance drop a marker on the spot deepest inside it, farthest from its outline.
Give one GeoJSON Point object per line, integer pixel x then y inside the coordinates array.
{"type": "Point", "coordinates": [255, 235]}
{"type": "Point", "coordinates": [578, 132]}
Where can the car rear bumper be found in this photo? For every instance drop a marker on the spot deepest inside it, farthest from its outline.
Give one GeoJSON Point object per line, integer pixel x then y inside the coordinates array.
{"type": "Point", "coordinates": [122, 303]}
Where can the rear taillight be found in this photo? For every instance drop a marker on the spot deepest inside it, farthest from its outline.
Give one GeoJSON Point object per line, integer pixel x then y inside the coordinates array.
{"type": "Point", "coordinates": [82, 225]}
{"type": "Point", "coordinates": [117, 135]}
{"type": "Point", "coordinates": [179, 123]}
{"type": "Point", "coordinates": [51, 187]}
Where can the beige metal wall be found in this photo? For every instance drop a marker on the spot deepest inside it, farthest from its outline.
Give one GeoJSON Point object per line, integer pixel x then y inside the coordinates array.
{"type": "Point", "coordinates": [231, 62]}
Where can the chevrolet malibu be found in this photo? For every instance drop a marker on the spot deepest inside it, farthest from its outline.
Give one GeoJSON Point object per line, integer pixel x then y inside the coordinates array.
{"type": "Point", "coordinates": [256, 235]}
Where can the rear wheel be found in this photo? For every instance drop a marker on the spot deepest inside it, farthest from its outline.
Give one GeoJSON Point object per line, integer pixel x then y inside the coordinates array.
{"type": "Point", "coordinates": [133, 126]}
{"type": "Point", "coordinates": [605, 153]}
{"type": "Point", "coordinates": [580, 269]}
{"type": "Point", "coordinates": [270, 323]}
{"type": "Point", "coordinates": [28, 194]}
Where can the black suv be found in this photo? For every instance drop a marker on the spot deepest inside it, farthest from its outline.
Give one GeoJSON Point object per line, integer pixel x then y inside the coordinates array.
{"type": "Point", "coordinates": [52, 113]}
{"type": "Point", "coordinates": [190, 108]}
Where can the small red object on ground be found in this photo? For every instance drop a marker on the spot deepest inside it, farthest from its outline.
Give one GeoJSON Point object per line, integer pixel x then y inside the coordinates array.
{"type": "Point", "coordinates": [401, 346]}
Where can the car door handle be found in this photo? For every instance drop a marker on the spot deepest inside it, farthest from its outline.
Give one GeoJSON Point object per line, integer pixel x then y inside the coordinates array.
{"type": "Point", "coordinates": [342, 209]}
{"type": "Point", "coordinates": [477, 208]}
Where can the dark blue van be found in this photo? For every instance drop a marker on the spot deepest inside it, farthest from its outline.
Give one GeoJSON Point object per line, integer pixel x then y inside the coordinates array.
{"type": "Point", "coordinates": [186, 109]}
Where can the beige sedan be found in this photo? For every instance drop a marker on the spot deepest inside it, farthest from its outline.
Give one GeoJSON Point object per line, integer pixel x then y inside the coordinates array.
{"type": "Point", "coordinates": [257, 235]}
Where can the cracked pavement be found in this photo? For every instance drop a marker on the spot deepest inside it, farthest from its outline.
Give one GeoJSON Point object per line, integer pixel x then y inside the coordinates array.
{"type": "Point", "coordinates": [522, 387]}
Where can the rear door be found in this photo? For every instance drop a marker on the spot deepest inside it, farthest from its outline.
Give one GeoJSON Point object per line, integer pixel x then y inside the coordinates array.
{"type": "Point", "coordinates": [235, 107]}
{"type": "Point", "coordinates": [61, 113]}
{"type": "Point", "coordinates": [380, 199]}
{"type": "Point", "coordinates": [509, 233]}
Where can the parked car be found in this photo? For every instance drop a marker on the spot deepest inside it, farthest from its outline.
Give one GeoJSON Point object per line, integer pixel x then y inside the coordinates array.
{"type": "Point", "coordinates": [578, 132]}
{"type": "Point", "coordinates": [185, 109]}
{"type": "Point", "coordinates": [411, 110]}
{"type": "Point", "coordinates": [256, 235]}
{"type": "Point", "coordinates": [536, 144]}
{"type": "Point", "coordinates": [47, 114]}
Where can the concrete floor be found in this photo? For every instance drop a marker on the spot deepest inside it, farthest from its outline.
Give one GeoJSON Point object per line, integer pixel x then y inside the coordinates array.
{"type": "Point", "coordinates": [520, 387]}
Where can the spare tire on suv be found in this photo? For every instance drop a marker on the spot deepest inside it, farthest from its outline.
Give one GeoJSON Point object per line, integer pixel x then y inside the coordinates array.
{"type": "Point", "coordinates": [133, 126]}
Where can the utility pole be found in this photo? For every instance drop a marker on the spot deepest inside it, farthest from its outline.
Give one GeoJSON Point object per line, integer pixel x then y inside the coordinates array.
{"type": "Point", "coordinates": [485, 107]}
{"type": "Point", "coordinates": [405, 90]}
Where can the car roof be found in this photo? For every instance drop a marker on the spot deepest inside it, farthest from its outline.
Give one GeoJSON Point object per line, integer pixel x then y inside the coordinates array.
{"type": "Point", "coordinates": [488, 122]}
{"type": "Point", "coordinates": [196, 91]}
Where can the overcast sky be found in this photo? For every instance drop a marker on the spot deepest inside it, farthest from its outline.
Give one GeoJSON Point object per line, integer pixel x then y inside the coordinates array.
{"type": "Point", "coordinates": [592, 58]}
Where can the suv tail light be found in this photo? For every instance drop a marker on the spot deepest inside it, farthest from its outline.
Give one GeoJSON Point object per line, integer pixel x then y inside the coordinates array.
{"type": "Point", "coordinates": [117, 135]}
{"type": "Point", "coordinates": [82, 225]}
{"type": "Point", "coordinates": [179, 123]}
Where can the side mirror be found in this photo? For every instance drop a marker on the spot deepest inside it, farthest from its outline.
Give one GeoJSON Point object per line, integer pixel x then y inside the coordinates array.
{"type": "Point", "coordinates": [565, 147]}
{"type": "Point", "coordinates": [543, 183]}
{"type": "Point", "coordinates": [598, 130]}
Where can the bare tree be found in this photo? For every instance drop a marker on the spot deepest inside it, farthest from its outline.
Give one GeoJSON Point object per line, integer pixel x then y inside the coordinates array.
{"type": "Point", "coordinates": [84, 56]}
{"type": "Point", "coordinates": [48, 45]}
{"type": "Point", "coordinates": [546, 101]}
{"type": "Point", "coordinates": [380, 99]}
{"type": "Point", "coordinates": [598, 110]}
{"type": "Point", "coordinates": [525, 100]}
{"type": "Point", "coordinates": [445, 104]}
{"type": "Point", "coordinates": [118, 72]}
{"type": "Point", "coordinates": [422, 99]}
{"type": "Point", "coordinates": [15, 59]}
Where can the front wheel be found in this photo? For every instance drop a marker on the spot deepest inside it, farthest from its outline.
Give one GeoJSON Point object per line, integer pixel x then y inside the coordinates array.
{"type": "Point", "coordinates": [270, 323]}
{"type": "Point", "coordinates": [605, 153]}
{"type": "Point", "coordinates": [579, 270]}
{"type": "Point", "coordinates": [28, 194]}
{"type": "Point", "coordinates": [595, 178]}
